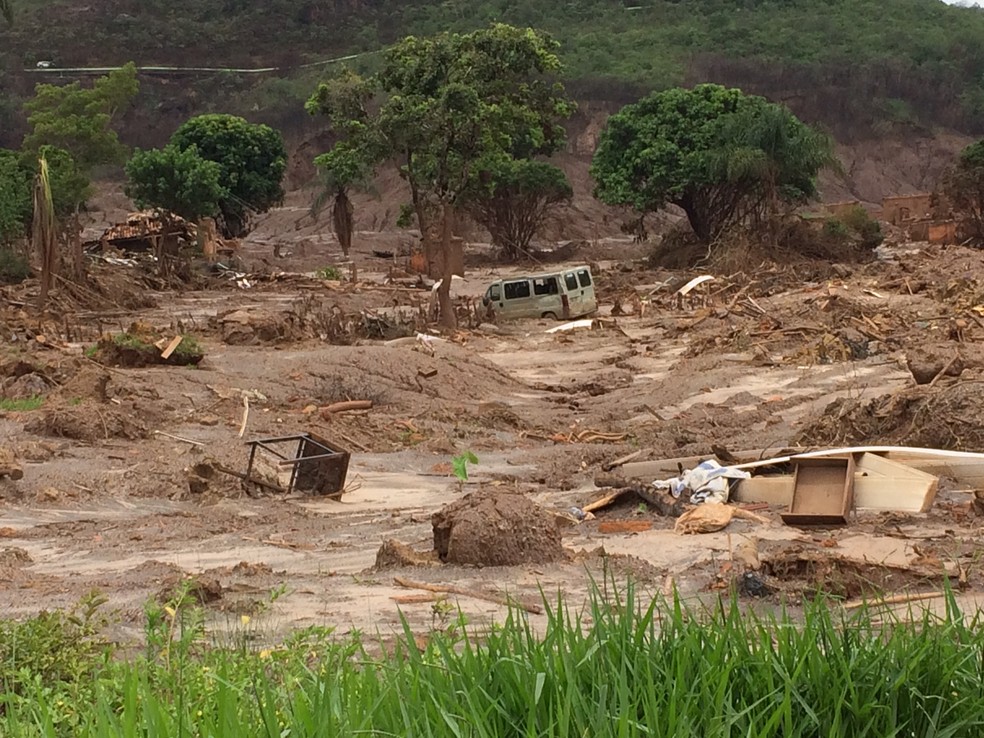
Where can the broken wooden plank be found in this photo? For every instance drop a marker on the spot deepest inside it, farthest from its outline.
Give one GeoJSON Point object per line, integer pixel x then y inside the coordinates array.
{"type": "Point", "coordinates": [625, 526]}
{"type": "Point", "coordinates": [894, 486]}
{"type": "Point", "coordinates": [621, 461]}
{"type": "Point", "coordinates": [663, 468]}
{"type": "Point", "coordinates": [175, 342]}
{"type": "Point", "coordinates": [606, 500]}
{"type": "Point", "coordinates": [452, 589]}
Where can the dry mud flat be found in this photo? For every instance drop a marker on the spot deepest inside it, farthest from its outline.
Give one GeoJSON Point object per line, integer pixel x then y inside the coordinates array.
{"type": "Point", "coordinates": [105, 500]}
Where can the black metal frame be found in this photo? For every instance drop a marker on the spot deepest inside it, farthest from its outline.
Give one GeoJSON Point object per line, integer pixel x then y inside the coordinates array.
{"type": "Point", "coordinates": [304, 441]}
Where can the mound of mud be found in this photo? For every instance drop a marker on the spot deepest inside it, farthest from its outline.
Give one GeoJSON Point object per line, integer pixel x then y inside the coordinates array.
{"type": "Point", "coordinates": [396, 555]}
{"type": "Point", "coordinates": [496, 529]}
{"type": "Point", "coordinates": [947, 416]}
{"type": "Point", "coordinates": [87, 421]}
{"type": "Point", "coordinates": [142, 346]}
{"type": "Point", "coordinates": [401, 374]}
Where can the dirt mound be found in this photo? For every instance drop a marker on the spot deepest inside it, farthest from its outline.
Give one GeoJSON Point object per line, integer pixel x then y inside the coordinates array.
{"type": "Point", "coordinates": [142, 346]}
{"type": "Point", "coordinates": [396, 555]}
{"type": "Point", "coordinates": [89, 383]}
{"type": "Point", "coordinates": [496, 529]}
{"type": "Point", "coordinates": [400, 374]}
{"type": "Point", "coordinates": [947, 416]}
{"type": "Point", "coordinates": [87, 421]}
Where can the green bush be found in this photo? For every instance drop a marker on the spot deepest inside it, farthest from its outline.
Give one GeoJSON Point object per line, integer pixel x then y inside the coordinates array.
{"type": "Point", "coordinates": [14, 267]}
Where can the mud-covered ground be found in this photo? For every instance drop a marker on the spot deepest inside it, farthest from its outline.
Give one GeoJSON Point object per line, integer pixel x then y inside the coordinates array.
{"type": "Point", "coordinates": [112, 499]}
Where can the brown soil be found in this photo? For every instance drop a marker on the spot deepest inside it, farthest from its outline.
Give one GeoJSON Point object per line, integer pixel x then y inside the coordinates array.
{"type": "Point", "coordinates": [87, 422]}
{"type": "Point", "coordinates": [496, 529]}
{"type": "Point", "coordinates": [947, 416]}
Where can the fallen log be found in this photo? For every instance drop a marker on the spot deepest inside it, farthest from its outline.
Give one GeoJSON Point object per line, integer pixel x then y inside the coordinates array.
{"type": "Point", "coordinates": [607, 500]}
{"type": "Point", "coordinates": [452, 589]}
{"type": "Point", "coordinates": [347, 406]}
{"type": "Point", "coordinates": [664, 503]}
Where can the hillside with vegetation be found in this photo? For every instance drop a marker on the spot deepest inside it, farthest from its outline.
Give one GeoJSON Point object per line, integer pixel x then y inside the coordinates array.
{"type": "Point", "coordinates": [858, 66]}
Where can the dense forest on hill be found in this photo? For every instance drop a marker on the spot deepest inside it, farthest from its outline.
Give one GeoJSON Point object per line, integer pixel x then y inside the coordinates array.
{"type": "Point", "coordinates": [858, 66]}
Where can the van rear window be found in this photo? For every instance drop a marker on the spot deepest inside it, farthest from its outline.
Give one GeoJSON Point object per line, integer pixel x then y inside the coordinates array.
{"type": "Point", "coordinates": [585, 276]}
{"type": "Point", "coordinates": [570, 280]}
{"type": "Point", "coordinates": [516, 290]}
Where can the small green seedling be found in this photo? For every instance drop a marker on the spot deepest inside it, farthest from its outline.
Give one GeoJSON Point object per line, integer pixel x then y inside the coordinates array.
{"type": "Point", "coordinates": [459, 465]}
{"type": "Point", "coordinates": [329, 272]}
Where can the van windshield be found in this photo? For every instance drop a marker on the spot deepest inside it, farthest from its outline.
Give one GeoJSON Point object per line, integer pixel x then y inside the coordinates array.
{"type": "Point", "coordinates": [495, 292]}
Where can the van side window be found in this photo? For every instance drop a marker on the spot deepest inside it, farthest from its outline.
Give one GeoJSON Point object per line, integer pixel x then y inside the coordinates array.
{"type": "Point", "coordinates": [516, 290]}
{"type": "Point", "coordinates": [546, 286]}
{"type": "Point", "coordinates": [495, 293]}
{"type": "Point", "coordinates": [570, 280]}
{"type": "Point", "coordinates": [585, 276]}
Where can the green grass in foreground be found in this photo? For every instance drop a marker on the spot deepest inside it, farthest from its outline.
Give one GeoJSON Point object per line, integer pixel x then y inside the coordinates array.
{"type": "Point", "coordinates": [621, 668]}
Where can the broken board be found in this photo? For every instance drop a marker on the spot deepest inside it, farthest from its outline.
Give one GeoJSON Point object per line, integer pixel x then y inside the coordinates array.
{"type": "Point", "coordinates": [879, 485]}
{"type": "Point", "coordinates": [964, 467]}
{"type": "Point", "coordinates": [823, 492]}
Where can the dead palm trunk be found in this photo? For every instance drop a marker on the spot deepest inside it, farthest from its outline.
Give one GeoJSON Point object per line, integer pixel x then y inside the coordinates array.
{"type": "Point", "coordinates": [43, 229]}
{"type": "Point", "coordinates": [342, 217]}
{"type": "Point", "coordinates": [448, 318]}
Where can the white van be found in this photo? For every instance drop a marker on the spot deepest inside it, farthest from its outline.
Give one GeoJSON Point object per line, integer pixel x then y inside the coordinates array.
{"type": "Point", "coordinates": [561, 295]}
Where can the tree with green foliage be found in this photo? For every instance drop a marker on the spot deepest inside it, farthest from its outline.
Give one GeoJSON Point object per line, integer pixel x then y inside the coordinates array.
{"type": "Point", "coordinates": [79, 119]}
{"type": "Point", "coordinates": [174, 180]}
{"type": "Point", "coordinates": [722, 156]}
{"type": "Point", "coordinates": [252, 160]}
{"type": "Point", "coordinates": [512, 200]}
{"type": "Point", "coordinates": [15, 197]}
{"type": "Point", "coordinates": [457, 101]}
{"type": "Point", "coordinates": [350, 164]}
{"type": "Point", "coordinates": [963, 187]}
{"type": "Point", "coordinates": [70, 186]}
{"type": "Point", "coordinates": [7, 11]}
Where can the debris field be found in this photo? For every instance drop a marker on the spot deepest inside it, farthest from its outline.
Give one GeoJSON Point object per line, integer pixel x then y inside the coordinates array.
{"type": "Point", "coordinates": [770, 433]}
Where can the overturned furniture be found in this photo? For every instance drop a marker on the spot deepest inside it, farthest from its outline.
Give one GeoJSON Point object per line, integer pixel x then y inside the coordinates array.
{"type": "Point", "coordinates": [317, 467]}
{"type": "Point", "coordinates": [823, 491]}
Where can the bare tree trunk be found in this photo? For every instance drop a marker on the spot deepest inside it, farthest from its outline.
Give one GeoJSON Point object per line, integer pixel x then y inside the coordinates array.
{"type": "Point", "coordinates": [342, 217]}
{"type": "Point", "coordinates": [448, 318]}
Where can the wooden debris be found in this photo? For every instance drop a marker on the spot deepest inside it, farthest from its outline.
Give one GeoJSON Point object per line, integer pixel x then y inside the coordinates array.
{"type": "Point", "coordinates": [178, 438]}
{"type": "Point", "coordinates": [823, 491]}
{"type": "Point", "coordinates": [664, 503]}
{"type": "Point", "coordinates": [453, 589]}
{"type": "Point", "coordinates": [625, 526]}
{"type": "Point", "coordinates": [880, 484]}
{"type": "Point", "coordinates": [175, 342]}
{"type": "Point", "coordinates": [414, 599]}
{"type": "Point", "coordinates": [621, 461]}
{"type": "Point", "coordinates": [607, 500]}
{"type": "Point", "coordinates": [345, 407]}
{"type": "Point", "coordinates": [903, 599]}
{"type": "Point", "coordinates": [242, 425]}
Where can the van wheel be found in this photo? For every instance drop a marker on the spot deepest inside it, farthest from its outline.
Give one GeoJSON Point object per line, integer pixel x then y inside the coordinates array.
{"type": "Point", "coordinates": [551, 316]}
